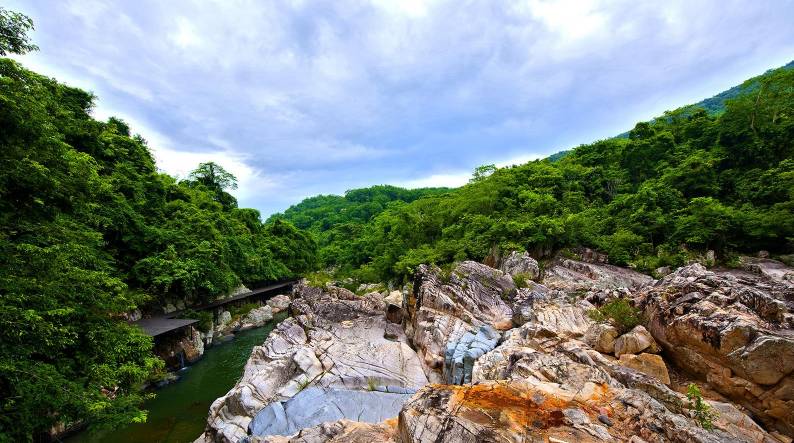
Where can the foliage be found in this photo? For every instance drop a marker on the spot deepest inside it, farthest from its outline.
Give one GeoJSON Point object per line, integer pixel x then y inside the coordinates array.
{"type": "Point", "coordinates": [204, 317]}
{"type": "Point", "coordinates": [619, 313]}
{"type": "Point", "coordinates": [14, 28]}
{"type": "Point", "coordinates": [90, 230]}
{"type": "Point", "coordinates": [522, 280]}
{"type": "Point", "coordinates": [673, 188]}
{"type": "Point", "coordinates": [703, 412]}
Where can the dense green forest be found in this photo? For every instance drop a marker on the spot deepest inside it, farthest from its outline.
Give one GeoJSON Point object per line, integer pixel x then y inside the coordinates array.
{"type": "Point", "coordinates": [690, 181]}
{"type": "Point", "coordinates": [89, 229]}
{"type": "Point", "coordinates": [337, 221]}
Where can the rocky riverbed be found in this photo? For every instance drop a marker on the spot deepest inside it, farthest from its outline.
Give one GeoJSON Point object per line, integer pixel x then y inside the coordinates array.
{"type": "Point", "coordinates": [467, 356]}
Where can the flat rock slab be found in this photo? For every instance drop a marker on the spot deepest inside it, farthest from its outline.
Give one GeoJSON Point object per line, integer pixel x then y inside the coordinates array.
{"type": "Point", "coordinates": [314, 405]}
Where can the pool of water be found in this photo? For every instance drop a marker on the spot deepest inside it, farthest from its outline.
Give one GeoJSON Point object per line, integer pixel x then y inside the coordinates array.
{"type": "Point", "coordinates": [179, 412]}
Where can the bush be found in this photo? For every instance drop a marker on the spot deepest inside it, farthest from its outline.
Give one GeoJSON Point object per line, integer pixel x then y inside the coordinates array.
{"type": "Point", "coordinates": [703, 412]}
{"type": "Point", "coordinates": [619, 313]}
{"type": "Point", "coordinates": [204, 318]}
{"type": "Point", "coordinates": [522, 280]}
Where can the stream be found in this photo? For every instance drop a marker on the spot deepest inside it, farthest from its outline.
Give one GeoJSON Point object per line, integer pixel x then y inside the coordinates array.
{"type": "Point", "coordinates": [179, 412]}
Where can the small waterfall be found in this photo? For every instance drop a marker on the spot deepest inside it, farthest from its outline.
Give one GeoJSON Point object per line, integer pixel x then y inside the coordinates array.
{"type": "Point", "coordinates": [181, 359]}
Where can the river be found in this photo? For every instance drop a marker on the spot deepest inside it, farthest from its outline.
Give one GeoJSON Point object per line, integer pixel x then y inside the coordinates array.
{"type": "Point", "coordinates": [179, 412]}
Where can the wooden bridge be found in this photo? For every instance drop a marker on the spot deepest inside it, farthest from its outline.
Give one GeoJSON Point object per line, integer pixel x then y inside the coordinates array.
{"type": "Point", "coordinates": [162, 324]}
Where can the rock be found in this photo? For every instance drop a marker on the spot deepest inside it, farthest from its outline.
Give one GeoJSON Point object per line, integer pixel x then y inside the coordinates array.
{"type": "Point", "coordinates": [224, 319]}
{"type": "Point", "coordinates": [394, 307]}
{"type": "Point", "coordinates": [444, 308]}
{"type": "Point", "coordinates": [635, 341]}
{"type": "Point", "coordinates": [313, 406]}
{"type": "Point", "coordinates": [460, 354]}
{"type": "Point", "coordinates": [392, 332]}
{"type": "Point", "coordinates": [394, 298]}
{"type": "Point", "coordinates": [259, 316]}
{"type": "Point", "coordinates": [169, 308]}
{"type": "Point", "coordinates": [341, 431]}
{"type": "Point", "coordinates": [732, 329]}
{"type": "Point", "coordinates": [279, 303]}
{"type": "Point", "coordinates": [601, 337]}
{"type": "Point", "coordinates": [649, 364]}
{"type": "Point", "coordinates": [662, 271]}
{"type": "Point", "coordinates": [527, 412]}
{"type": "Point", "coordinates": [335, 340]}
{"type": "Point", "coordinates": [572, 276]}
{"type": "Point", "coordinates": [394, 314]}
{"type": "Point", "coordinates": [520, 264]}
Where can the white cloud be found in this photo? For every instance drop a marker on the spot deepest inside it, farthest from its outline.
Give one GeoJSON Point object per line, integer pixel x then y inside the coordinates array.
{"type": "Point", "coordinates": [304, 97]}
{"type": "Point", "coordinates": [450, 180]}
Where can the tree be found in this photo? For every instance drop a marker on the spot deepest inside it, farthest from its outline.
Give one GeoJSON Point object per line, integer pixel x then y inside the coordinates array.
{"type": "Point", "coordinates": [14, 28]}
{"type": "Point", "coordinates": [213, 176]}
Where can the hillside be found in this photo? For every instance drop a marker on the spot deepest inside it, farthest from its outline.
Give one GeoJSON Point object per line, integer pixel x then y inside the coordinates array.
{"type": "Point", "coordinates": [676, 187]}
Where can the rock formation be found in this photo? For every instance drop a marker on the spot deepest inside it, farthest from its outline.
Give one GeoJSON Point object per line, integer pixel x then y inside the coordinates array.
{"type": "Point", "coordinates": [333, 344]}
{"type": "Point", "coordinates": [522, 364]}
{"type": "Point", "coordinates": [734, 330]}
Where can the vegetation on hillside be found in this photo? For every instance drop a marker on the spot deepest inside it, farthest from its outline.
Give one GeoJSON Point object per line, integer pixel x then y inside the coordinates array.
{"type": "Point", "coordinates": [688, 182]}
{"type": "Point", "coordinates": [89, 230]}
{"type": "Point", "coordinates": [338, 221]}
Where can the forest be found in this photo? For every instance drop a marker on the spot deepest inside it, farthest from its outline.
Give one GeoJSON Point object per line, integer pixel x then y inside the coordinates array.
{"type": "Point", "coordinates": [718, 175]}
{"type": "Point", "coordinates": [89, 230]}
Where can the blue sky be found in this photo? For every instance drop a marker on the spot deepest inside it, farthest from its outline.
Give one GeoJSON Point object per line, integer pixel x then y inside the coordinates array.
{"type": "Point", "coordinates": [299, 98]}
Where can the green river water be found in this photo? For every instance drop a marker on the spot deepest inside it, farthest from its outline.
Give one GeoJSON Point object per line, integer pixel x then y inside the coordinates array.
{"type": "Point", "coordinates": [179, 412]}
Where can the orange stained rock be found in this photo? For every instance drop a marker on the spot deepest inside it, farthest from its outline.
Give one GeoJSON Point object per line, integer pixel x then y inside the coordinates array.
{"type": "Point", "coordinates": [520, 406]}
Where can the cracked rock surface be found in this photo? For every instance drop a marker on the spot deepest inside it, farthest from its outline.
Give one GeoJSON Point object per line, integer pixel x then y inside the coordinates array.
{"type": "Point", "coordinates": [543, 370]}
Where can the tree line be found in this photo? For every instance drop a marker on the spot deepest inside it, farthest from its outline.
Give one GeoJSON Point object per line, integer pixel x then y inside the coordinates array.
{"type": "Point", "coordinates": [696, 179]}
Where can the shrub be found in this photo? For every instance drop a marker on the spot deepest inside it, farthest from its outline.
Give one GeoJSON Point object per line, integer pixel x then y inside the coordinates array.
{"type": "Point", "coordinates": [619, 313]}
{"type": "Point", "coordinates": [703, 412]}
{"type": "Point", "coordinates": [205, 319]}
{"type": "Point", "coordinates": [522, 280]}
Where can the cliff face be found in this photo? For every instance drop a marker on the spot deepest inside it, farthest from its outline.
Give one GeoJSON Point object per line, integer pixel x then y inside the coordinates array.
{"type": "Point", "coordinates": [521, 364]}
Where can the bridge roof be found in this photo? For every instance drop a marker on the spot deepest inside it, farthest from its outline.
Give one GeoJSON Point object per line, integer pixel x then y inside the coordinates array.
{"type": "Point", "coordinates": [155, 326]}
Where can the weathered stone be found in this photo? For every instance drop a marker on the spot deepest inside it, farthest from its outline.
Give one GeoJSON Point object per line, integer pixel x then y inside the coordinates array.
{"type": "Point", "coordinates": [520, 264]}
{"type": "Point", "coordinates": [392, 332]}
{"type": "Point", "coordinates": [334, 341]}
{"type": "Point", "coordinates": [313, 406]}
{"type": "Point", "coordinates": [460, 354]}
{"type": "Point", "coordinates": [635, 341]}
{"type": "Point", "coordinates": [444, 308]}
{"type": "Point", "coordinates": [394, 313]}
{"type": "Point", "coordinates": [279, 303]}
{"type": "Point", "coordinates": [259, 316]}
{"type": "Point", "coordinates": [574, 276]}
{"type": "Point", "coordinates": [649, 364]}
{"type": "Point", "coordinates": [601, 337]}
{"type": "Point", "coordinates": [732, 329]}
{"type": "Point", "coordinates": [341, 431]}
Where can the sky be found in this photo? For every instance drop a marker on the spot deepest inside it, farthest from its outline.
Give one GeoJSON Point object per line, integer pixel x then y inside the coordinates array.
{"type": "Point", "coordinates": [299, 98]}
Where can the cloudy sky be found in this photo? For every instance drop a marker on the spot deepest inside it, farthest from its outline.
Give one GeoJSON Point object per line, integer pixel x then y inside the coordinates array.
{"type": "Point", "coordinates": [299, 97]}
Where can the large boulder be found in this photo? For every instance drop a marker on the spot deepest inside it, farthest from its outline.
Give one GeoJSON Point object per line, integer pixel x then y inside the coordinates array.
{"type": "Point", "coordinates": [649, 364]}
{"type": "Point", "coordinates": [520, 264]}
{"type": "Point", "coordinates": [577, 276]}
{"type": "Point", "coordinates": [314, 405]}
{"type": "Point", "coordinates": [601, 337]}
{"type": "Point", "coordinates": [335, 340]}
{"type": "Point", "coordinates": [635, 341]}
{"type": "Point", "coordinates": [446, 306]}
{"type": "Point", "coordinates": [258, 317]}
{"type": "Point", "coordinates": [279, 303]}
{"type": "Point", "coordinates": [732, 329]}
